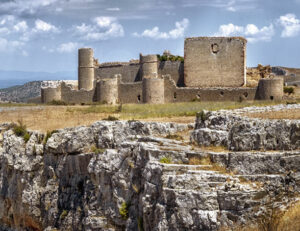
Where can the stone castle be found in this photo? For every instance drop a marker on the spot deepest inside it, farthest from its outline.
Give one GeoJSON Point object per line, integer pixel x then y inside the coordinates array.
{"type": "Point", "coordinates": [214, 69]}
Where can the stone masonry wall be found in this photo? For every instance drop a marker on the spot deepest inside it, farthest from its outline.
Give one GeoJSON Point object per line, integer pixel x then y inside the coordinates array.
{"type": "Point", "coordinates": [76, 96]}
{"type": "Point", "coordinates": [188, 94]}
{"type": "Point", "coordinates": [214, 62]}
{"type": "Point", "coordinates": [132, 73]}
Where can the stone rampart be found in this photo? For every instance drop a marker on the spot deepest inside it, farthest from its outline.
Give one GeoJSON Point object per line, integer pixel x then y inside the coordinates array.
{"type": "Point", "coordinates": [108, 91]}
{"type": "Point", "coordinates": [153, 90]}
{"type": "Point", "coordinates": [81, 96]}
{"type": "Point", "coordinates": [50, 94]}
{"type": "Point", "coordinates": [215, 62]}
{"type": "Point", "coordinates": [270, 89]}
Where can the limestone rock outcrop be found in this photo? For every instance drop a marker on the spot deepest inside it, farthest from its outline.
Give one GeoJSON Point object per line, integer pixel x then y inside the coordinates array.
{"type": "Point", "coordinates": [127, 175]}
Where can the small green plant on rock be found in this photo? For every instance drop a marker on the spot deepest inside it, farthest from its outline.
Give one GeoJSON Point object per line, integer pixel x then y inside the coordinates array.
{"type": "Point", "coordinates": [97, 150]}
{"type": "Point", "coordinates": [21, 130]}
{"type": "Point", "coordinates": [202, 115]}
{"type": "Point", "coordinates": [63, 214]}
{"type": "Point", "coordinates": [123, 210]}
{"type": "Point", "coordinates": [49, 134]}
{"type": "Point", "coordinates": [165, 160]}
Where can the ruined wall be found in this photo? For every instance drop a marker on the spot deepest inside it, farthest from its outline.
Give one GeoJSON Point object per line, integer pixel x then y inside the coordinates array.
{"type": "Point", "coordinates": [49, 94]}
{"type": "Point", "coordinates": [188, 94]}
{"type": "Point", "coordinates": [77, 96]}
{"type": "Point", "coordinates": [108, 91]}
{"type": "Point", "coordinates": [270, 89]}
{"type": "Point", "coordinates": [131, 92]}
{"type": "Point", "coordinates": [153, 90]}
{"type": "Point", "coordinates": [214, 62]}
{"type": "Point", "coordinates": [173, 68]}
{"type": "Point", "coordinates": [131, 72]}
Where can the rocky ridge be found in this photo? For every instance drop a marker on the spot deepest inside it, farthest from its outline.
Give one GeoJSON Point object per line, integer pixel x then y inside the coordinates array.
{"type": "Point", "coordinates": [131, 175]}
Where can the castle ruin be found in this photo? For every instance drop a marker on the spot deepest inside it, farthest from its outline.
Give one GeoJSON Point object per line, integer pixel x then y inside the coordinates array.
{"type": "Point", "coordinates": [214, 69]}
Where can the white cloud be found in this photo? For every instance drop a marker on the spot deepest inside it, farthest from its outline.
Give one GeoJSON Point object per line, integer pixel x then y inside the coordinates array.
{"type": "Point", "coordinates": [21, 26]}
{"type": "Point", "coordinates": [113, 9]}
{"type": "Point", "coordinates": [251, 32]}
{"type": "Point", "coordinates": [42, 26]}
{"type": "Point", "coordinates": [154, 33]}
{"type": "Point", "coordinates": [290, 24]}
{"type": "Point", "coordinates": [102, 28]}
{"type": "Point", "coordinates": [68, 47]}
{"type": "Point", "coordinates": [230, 29]}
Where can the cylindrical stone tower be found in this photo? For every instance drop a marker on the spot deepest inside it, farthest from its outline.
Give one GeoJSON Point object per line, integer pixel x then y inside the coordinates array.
{"type": "Point", "coordinates": [149, 66]}
{"type": "Point", "coordinates": [270, 89]}
{"type": "Point", "coordinates": [50, 94]}
{"type": "Point", "coordinates": [85, 68]}
{"type": "Point", "coordinates": [153, 90]}
{"type": "Point", "coordinates": [108, 91]}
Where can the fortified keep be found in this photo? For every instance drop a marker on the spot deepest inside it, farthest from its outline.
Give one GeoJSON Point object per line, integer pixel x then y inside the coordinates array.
{"type": "Point", "coordinates": [214, 69]}
{"type": "Point", "coordinates": [215, 62]}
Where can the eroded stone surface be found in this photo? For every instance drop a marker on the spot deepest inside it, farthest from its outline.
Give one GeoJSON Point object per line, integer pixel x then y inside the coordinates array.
{"type": "Point", "coordinates": [63, 185]}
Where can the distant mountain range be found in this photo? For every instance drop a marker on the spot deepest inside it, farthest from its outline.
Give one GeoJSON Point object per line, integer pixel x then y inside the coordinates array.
{"type": "Point", "coordinates": [13, 78]}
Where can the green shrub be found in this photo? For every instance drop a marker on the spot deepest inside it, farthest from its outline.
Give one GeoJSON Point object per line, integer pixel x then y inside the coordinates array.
{"type": "Point", "coordinates": [21, 130]}
{"type": "Point", "coordinates": [63, 214]}
{"type": "Point", "coordinates": [26, 137]}
{"type": "Point", "coordinates": [49, 134]}
{"type": "Point", "coordinates": [288, 90]}
{"type": "Point", "coordinates": [57, 102]}
{"type": "Point", "coordinates": [163, 58]}
{"type": "Point", "coordinates": [111, 118]}
{"type": "Point", "coordinates": [124, 210]}
{"type": "Point", "coordinates": [165, 160]}
{"type": "Point", "coordinates": [97, 150]}
{"type": "Point", "coordinates": [202, 115]}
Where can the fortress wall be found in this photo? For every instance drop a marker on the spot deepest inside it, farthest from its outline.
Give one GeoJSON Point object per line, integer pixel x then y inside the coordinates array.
{"type": "Point", "coordinates": [173, 68]}
{"type": "Point", "coordinates": [149, 66]}
{"type": "Point", "coordinates": [188, 94]}
{"type": "Point", "coordinates": [108, 91]}
{"type": "Point", "coordinates": [69, 95]}
{"type": "Point", "coordinates": [215, 62]}
{"type": "Point", "coordinates": [131, 92]}
{"type": "Point", "coordinates": [86, 78]}
{"type": "Point", "coordinates": [130, 72]}
{"type": "Point", "coordinates": [50, 94]}
{"type": "Point", "coordinates": [86, 69]}
{"type": "Point", "coordinates": [270, 89]}
{"type": "Point", "coordinates": [153, 90]}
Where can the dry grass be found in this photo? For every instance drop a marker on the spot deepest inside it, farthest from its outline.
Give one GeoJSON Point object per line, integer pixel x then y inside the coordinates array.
{"type": "Point", "coordinates": [206, 160]}
{"type": "Point", "coordinates": [288, 220]}
{"type": "Point", "coordinates": [200, 161]}
{"type": "Point", "coordinates": [47, 118]}
{"type": "Point", "coordinates": [283, 114]}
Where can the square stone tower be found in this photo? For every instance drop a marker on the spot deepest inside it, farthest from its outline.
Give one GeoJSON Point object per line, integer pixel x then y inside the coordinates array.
{"type": "Point", "coordinates": [215, 62]}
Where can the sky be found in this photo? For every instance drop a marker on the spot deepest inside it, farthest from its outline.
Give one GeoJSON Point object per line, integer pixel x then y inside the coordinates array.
{"type": "Point", "coordinates": [44, 35]}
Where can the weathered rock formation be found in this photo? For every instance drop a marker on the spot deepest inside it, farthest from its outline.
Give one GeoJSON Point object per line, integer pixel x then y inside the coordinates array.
{"type": "Point", "coordinates": [111, 176]}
